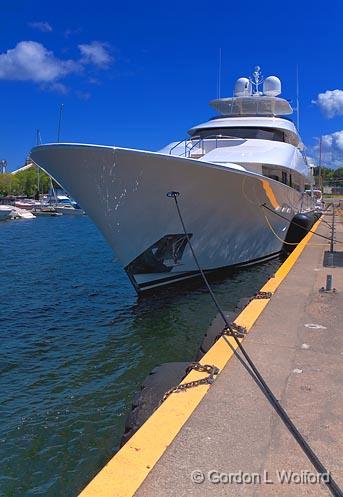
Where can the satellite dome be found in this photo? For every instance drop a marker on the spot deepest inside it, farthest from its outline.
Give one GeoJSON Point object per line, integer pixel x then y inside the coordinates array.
{"type": "Point", "coordinates": [242, 87]}
{"type": "Point", "coordinates": [272, 86]}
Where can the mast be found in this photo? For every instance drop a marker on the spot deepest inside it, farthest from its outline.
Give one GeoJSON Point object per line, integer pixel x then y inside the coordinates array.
{"type": "Point", "coordinates": [59, 123]}
{"type": "Point", "coordinates": [38, 142]}
{"type": "Point", "coordinates": [320, 164]}
{"type": "Point", "coordinates": [298, 105]}
{"type": "Point", "coordinates": [219, 75]}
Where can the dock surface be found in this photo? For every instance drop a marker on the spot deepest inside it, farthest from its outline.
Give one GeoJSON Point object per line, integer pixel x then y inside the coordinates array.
{"type": "Point", "coordinates": [233, 443]}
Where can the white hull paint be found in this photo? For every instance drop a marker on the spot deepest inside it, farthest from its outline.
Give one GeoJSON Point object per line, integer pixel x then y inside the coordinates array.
{"type": "Point", "coordinates": [124, 192]}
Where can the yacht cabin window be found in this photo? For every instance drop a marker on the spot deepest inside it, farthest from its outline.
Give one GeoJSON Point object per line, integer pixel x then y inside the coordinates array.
{"type": "Point", "coordinates": [242, 132]}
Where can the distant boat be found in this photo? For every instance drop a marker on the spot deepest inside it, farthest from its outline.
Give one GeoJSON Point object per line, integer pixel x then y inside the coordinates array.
{"type": "Point", "coordinates": [5, 212]}
{"type": "Point", "coordinates": [65, 205]}
{"type": "Point", "coordinates": [18, 213]}
{"type": "Point", "coordinates": [69, 210]}
{"type": "Point", "coordinates": [45, 210]}
{"type": "Point", "coordinates": [26, 203]}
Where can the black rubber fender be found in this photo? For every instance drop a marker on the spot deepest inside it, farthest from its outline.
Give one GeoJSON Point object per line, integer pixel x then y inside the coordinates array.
{"type": "Point", "coordinates": [317, 215]}
{"type": "Point", "coordinates": [160, 379]}
{"type": "Point", "coordinates": [216, 328]}
{"type": "Point", "coordinates": [298, 228]}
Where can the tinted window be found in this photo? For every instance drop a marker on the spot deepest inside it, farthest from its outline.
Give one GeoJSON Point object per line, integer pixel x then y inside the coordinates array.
{"type": "Point", "coordinates": [255, 133]}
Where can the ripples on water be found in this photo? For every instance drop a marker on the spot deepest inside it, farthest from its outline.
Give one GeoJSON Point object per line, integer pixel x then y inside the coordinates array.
{"type": "Point", "coordinates": [76, 343]}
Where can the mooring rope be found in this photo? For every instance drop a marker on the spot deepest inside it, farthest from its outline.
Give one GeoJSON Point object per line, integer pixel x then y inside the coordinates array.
{"type": "Point", "coordinates": [254, 372]}
{"type": "Point", "coordinates": [290, 243]}
{"type": "Point", "coordinates": [299, 225]}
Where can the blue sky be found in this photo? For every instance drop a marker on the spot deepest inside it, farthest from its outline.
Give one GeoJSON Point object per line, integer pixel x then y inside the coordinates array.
{"type": "Point", "coordinates": [139, 74]}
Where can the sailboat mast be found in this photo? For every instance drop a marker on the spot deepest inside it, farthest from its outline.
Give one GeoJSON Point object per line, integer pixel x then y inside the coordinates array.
{"type": "Point", "coordinates": [38, 142]}
{"type": "Point", "coordinates": [60, 123]}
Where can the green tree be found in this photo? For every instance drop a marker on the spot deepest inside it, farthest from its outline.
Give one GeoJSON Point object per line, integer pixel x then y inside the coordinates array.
{"type": "Point", "coordinates": [338, 173]}
{"type": "Point", "coordinates": [24, 183]}
{"type": "Point", "coordinates": [5, 184]}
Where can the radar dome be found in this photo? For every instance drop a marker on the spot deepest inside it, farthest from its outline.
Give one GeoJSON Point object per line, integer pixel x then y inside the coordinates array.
{"type": "Point", "coordinates": [242, 87]}
{"type": "Point", "coordinates": [272, 86]}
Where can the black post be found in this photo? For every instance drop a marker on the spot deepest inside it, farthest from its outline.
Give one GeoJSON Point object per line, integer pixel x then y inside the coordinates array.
{"type": "Point", "coordinates": [332, 229]}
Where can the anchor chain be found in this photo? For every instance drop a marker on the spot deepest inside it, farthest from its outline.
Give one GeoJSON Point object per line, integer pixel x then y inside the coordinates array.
{"type": "Point", "coordinates": [202, 368]}
{"type": "Point", "coordinates": [262, 295]}
{"type": "Point", "coordinates": [233, 330]}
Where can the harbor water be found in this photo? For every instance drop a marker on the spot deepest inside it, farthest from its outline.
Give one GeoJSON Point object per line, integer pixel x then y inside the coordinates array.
{"type": "Point", "coordinates": [76, 342]}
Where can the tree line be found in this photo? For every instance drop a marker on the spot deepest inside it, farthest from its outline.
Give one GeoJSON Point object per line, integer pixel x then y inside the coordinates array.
{"type": "Point", "coordinates": [24, 183]}
{"type": "Point", "coordinates": [333, 177]}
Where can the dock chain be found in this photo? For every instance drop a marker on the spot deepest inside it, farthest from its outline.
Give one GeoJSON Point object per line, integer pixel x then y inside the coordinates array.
{"type": "Point", "coordinates": [202, 368]}
{"type": "Point", "coordinates": [262, 295]}
{"type": "Point", "coordinates": [233, 330]}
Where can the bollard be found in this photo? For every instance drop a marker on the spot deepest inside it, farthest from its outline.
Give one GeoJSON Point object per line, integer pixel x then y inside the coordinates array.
{"type": "Point", "coordinates": [328, 283]}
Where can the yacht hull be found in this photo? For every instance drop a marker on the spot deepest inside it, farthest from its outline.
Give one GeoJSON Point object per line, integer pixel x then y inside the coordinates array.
{"type": "Point", "coordinates": [124, 193]}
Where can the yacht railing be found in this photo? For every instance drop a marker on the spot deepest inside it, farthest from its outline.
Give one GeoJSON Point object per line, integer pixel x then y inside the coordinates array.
{"type": "Point", "coordinates": [190, 144]}
{"type": "Point", "coordinates": [176, 145]}
{"type": "Point", "coordinates": [189, 149]}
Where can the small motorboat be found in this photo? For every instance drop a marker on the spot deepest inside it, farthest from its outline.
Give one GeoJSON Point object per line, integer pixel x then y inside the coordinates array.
{"type": "Point", "coordinates": [69, 209]}
{"type": "Point", "coordinates": [62, 204]}
{"type": "Point", "coordinates": [5, 212]}
{"type": "Point", "coordinates": [18, 213]}
{"type": "Point", "coordinates": [27, 203]}
{"type": "Point", "coordinates": [45, 210]}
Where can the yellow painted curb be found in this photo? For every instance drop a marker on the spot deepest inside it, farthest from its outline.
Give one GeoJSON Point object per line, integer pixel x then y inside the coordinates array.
{"type": "Point", "coordinates": [126, 471]}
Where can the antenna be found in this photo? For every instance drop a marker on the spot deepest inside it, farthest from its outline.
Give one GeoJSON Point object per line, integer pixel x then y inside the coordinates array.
{"type": "Point", "coordinates": [219, 76]}
{"type": "Point", "coordinates": [38, 137]}
{"type": "Point", "coordinates": [256, 80]}
{"type": "Point", "coordinates": [59, 123]}
{"type": "Point", "coordinates": [298, 107]}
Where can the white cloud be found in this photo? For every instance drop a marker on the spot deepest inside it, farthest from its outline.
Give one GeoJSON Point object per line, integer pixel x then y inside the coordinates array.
{"type": "Point", "coordinates": [31, 61]}
{"type": "Point", "coordinates": [45, 27]}
{"type": "Point", "coordinates": [330, 103]}
{"type": "Point", "coordinates": [95, 53]}
{"type": "Point", "coordinates": [334, 140]}
{"type": "Point", "coordinates": [332, 150]}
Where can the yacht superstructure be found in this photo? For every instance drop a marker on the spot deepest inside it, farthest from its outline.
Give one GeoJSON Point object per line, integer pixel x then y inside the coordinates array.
{"type": "Point", "coordinates": [235, 173]}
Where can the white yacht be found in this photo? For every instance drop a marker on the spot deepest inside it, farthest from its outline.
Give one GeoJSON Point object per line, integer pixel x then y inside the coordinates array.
{"type": "Point", "coordinates": [241, 177]}
{"type": "Point", "coordinates": [64, 205]}
{"type": "Point", "coordinates": [61, 203]}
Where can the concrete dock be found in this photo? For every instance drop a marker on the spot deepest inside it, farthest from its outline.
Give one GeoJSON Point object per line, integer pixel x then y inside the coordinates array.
{"type": "Point", "coordinates": [226, 439]}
